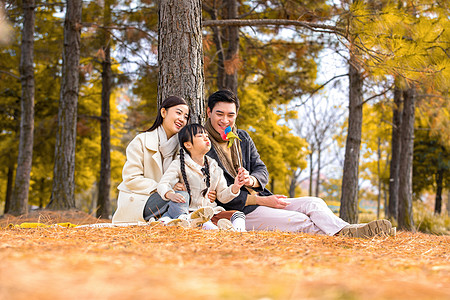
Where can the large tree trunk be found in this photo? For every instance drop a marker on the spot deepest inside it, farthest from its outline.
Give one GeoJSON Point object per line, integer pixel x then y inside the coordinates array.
{"type": "Point", "coordinates": [439, 186]}
{"type": "Point", "coordinates": [405, 216]}
{"type": "Point", "coordinates": [63, 189]}
{"type": "Point", "coordinates": [19, 201]}
{"type": "Point", "coordinates": [104, 205]}
{"type": "Point", "coordinates": [349, 197]}
{"type": "Point", "coordinates": [396, 148]}
{"type": "Point", "coordinates": [232, 56]}
{"type": "Point", "coordinates": [180, 54]}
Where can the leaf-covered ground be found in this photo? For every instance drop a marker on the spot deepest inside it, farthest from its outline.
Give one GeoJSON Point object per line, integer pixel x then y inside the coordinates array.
{"type": "Point", "coordinates": [157, 262]}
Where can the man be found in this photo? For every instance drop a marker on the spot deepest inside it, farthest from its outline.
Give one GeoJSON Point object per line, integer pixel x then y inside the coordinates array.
{"type": "Point", "coordinates": [265, 211]}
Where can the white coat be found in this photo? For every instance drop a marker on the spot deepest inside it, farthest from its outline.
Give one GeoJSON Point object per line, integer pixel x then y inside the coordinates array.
{"type": "Point", "coordinates": [141, 173]}
{"type": "Point", "coordinates": [197, 183]}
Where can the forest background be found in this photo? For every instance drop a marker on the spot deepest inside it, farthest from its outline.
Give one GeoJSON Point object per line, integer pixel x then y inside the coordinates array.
{"type": "Point", "coordinates": [292, 99]}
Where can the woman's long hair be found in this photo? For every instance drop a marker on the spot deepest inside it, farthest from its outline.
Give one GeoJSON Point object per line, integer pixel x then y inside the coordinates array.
{"type": "Point", "coordinates": [167, 103]}
{"type": "Point", "coordinates": [187, 134]}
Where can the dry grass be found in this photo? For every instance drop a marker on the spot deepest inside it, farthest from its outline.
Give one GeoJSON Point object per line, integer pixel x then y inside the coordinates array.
{"type": "Point", "coordinates": [156, 262]}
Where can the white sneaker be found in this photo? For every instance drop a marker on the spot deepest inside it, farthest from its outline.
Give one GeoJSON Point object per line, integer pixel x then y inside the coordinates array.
{"type": "Point", "coordinates": [201, 215]}
{"type": "Point", "coordinates": [225, 224]}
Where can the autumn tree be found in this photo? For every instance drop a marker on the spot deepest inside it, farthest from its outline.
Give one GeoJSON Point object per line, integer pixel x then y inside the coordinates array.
{"type": "Point", "coordinates": [19, 201]}
{"type": "Point", "coordinates": [180, 54]}
{"type": "Point", "coordinates": [63, 174]}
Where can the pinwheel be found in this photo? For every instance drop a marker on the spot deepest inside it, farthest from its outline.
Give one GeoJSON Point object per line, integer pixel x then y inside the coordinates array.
{"type": "Point", "coordinates": [230, 136]}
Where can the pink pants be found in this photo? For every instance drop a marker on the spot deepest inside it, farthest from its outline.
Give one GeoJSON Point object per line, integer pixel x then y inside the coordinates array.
{"type": "Point", "coordinates": [304, 214]}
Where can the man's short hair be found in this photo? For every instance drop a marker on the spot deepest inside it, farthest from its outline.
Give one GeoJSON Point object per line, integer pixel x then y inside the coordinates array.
{"type": "Point", "coordinates": [223, 96]}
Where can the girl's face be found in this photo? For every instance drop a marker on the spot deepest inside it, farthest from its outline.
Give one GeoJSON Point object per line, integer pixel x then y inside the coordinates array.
{"type": "Point", "coordinates": [175, 118]}
{"type": "Point", "coordinates": [200, 144]}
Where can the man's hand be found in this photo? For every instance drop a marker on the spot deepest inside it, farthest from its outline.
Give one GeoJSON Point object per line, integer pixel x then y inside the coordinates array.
{"type": "Point", "coordinates": [212, 196]}
{"type": "Point", "coordinates": [244, 177]}
{"type": "Point", "coordinates": [274, 201]}
{"type": "Point", "coordinates": [179, 187]}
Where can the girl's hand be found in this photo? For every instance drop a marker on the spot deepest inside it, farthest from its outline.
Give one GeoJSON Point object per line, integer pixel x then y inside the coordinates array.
{"type": "Point", "coordinates": [212, 196]}
{"type": "Point", "coordinates": [179, 187]}
{"type": "Point", "coordinates": [175, 197]}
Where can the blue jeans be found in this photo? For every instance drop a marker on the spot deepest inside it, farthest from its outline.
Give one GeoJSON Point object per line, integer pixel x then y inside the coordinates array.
{"type": "Point", "coordinates": [155, 207]}
{"type": "Point", "coordinates": [176, 209]}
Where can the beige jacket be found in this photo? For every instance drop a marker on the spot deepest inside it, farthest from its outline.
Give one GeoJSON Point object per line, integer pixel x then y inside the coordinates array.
{"type": "Point", "coordinates": [141, 174]}
{"type": "Point", "coordinates": [197, 183]}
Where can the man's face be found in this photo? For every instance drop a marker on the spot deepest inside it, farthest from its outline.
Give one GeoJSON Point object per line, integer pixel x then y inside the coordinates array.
{"type": "Point", "coordinates": [222, 115]}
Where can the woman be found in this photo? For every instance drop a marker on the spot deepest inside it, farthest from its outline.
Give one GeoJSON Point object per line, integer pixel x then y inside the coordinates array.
{"type": "Point", "coordinates": [149, 155]}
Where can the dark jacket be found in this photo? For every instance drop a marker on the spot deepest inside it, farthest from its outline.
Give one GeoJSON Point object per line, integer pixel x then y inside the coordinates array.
{"type": "Point", "coordinates": [252, 162]}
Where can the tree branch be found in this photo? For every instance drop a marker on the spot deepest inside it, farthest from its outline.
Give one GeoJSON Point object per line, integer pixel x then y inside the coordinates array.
{"type": "Point", "coordinates": [10, 74]}
{"type": "Point", "coordinates": [264, 22]}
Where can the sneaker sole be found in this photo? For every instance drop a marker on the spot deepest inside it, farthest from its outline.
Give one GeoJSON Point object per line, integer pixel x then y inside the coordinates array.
{"type": "Point", "coordinates": [179, 222]}
{"type": "Point", "coordinates": [374, 228]}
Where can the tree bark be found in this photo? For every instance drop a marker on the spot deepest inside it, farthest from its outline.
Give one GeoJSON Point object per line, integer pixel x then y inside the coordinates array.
{"type": "Point", "coordinates": [439, 186]}
{"type": "Point", "coordinates": [405, 216]}
{"type": "Point", "coordinates": [19, 201]}
{"type": "Point", "coordinates": [396, 146]}
{"type": "Point", "coordinates": [104, 187]}
{"type": "Point", "coordinates": [63, 188]}
{"type": "Point", "coordinates": [232, 55]}
{"type": "Point", "coordinates": [180, 54]}
{"type": "Point", "coordinates": [9, 187]}
{"type": "Point", "coordinates": [349, 198]}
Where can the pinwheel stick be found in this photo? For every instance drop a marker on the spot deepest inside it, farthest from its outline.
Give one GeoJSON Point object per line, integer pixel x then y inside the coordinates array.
{"type": "Point", "coordinates": [238, 157]}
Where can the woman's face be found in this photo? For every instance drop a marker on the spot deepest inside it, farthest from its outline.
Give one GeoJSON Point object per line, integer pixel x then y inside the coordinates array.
{"type": "Point", "coordinates": [174, 118]}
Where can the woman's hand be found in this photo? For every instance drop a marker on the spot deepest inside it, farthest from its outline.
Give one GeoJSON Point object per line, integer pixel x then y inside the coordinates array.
{"type": "Point", "coordinates": [179, 186]}
{"type": "Point", "coordinates": [175, 197]}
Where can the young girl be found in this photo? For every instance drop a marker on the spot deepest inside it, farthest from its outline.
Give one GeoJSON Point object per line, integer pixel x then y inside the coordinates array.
{"type": "Point", "coordinates": [200, 174]}
{"type": "Point", "coordinates": [149, 155]}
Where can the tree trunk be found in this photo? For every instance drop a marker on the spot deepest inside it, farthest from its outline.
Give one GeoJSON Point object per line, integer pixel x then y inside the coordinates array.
{"type": "Point", "coordinates": [396, 148]}
{"type": "Point", "coordinates": [310, 192]}
{"type": "Point", "coordinates": [180, 54]}
{"type": "Point", "coordinates": [293, 184]}
{"type": "Point", "coordinates": [104, 187]}
{"type": "Point", "coordinates": [379, 178]}
{"type": "Point", "coordinates": [19, 201]}
{"type": "Point", "coordinates": [349, 197]}
{"type": "Point", "coordinates": [448, 202]}
{"type": "Point", "coordinates": [9, 187]}
{"type": "Point", "coordinates": [438, 200]}
{"type": "Point", "coordinates": [63, 188]}
{"type": "Point", "coordinates": [405, 216]}
{"type": "Point", "coordinates": [318, 171]}
{"type": "Point", "coordinates": [232, 55]}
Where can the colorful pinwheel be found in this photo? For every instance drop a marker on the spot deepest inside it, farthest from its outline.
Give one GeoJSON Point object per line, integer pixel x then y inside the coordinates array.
{"type": "Point", "coordinates": [229, 136]}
